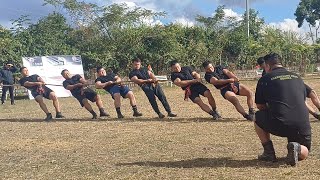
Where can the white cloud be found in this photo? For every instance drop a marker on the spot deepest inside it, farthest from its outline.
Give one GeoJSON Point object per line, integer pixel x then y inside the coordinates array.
{"type": "Point", "coordinates": [287, 25]}
{"type": "Point", "coordinates": [231, 14]}
{"type": "Point", "coordinates": [183, 21]}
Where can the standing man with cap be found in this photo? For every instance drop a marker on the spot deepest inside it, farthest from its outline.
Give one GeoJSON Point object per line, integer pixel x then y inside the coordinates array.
{"type": "Point", "coordinates": [149, 84]}
{"type": "Point", "coordinates": [6, 78]}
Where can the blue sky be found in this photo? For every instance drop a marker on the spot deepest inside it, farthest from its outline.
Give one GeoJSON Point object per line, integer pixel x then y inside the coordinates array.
{"type": "Point", "coordinates": [276, 12]}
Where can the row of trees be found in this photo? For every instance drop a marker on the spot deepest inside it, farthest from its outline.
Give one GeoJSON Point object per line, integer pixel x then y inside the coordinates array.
{"type": "Point", "coordinates": [113, 35]}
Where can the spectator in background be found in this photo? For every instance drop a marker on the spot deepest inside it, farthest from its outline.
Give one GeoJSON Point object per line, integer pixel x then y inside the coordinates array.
{"type": "Point", "coordinates": [6, 78]}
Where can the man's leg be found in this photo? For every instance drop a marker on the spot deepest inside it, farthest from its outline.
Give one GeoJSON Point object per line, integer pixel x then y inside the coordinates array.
{"type": "Point", "coordinates": [205, 107]}
{"type": "Point", "coordinates": [211, 100]}
{"type": "Point", "coordinates": [315, 100]}
{"type": "Point", "coordinates": [56, 105]}
{"type": "Point", "coordinates": [133, 103]}
{"type": "Point", "coordinates": [11, 89]}
{"type": "Point", "coordinates": [152, 99]}
{"type": "Point", "coordinates": [88, 107]}
{"type": "Point", "coordinates": [117, 104]}
{"type": "Point", "coordinates": [39, 100]}
{"type": "Point", "coordinates": [162, 97]}
{"type": "Point", "coordinates": [98, 101]}
{"type": "Point", "coordinates": [231, 97]}
{"type": "Point", "coordinates": [264, 136]}
{"type": "Point", "coordinates": [245, 91]}
{"type": "Point", "coordinates": [4, 93]}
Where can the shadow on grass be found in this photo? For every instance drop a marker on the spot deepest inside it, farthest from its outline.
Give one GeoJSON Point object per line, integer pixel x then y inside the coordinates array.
{"type": "Point", "coordinates": [125, 120]}
{"type": "Point", "coordinates": [209, 163]}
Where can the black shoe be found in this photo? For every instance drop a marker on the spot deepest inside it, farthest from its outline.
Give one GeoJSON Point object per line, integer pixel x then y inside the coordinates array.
{"type": "Point", "coordinates": [161, 116]}
{"type": "Point", "coordinates": [12, 103]}
{"type": "Point", "coordinates": [120, 116]}
{"type": "Point", "coordinates": [170, 114]}
{"type": "Point", "coordinates": [104, 114]}
{"type": "Point", "coordinates": [137, 114]}
{"type": "Point", "coordinates": [267, 157]}
{"type": "Point", "coordinates": [249, 117]}
{"type": "Point", "coordinates": [59, 115]}
{"type": "Point", "coordinates": [216, 115]}
{"type": "Point", "coordinates": [94, 116]}
{"type": "Point", "coordinates": [2, 102]}
{"type": "Point", "coordinates": [294, 151]}
{"type": "Point", "coordinates": [49, 117]}
{"type": "Point", "coordinates": [317, 116]}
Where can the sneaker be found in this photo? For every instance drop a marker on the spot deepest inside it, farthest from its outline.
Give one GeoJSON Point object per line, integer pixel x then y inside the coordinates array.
{"type": "Point", "coordinates": [59, 115]}
{"type": "Point", "coordinates": [94, 116]}
{"type": "Point", "coordinates": [120, 116]}
{"type": "Point", "coordinates": [2, 102]}
{"type": "Point", "coordinates": [294, 150]}
{"type": "Point", "coordinates": [161, 116]}
{"type": "Point", "coordinates": [104, 114]}
{"type": "Point", "coordinates": [249, 117]}
{"type": "Point", "coordinates": [267, 157]}
{"type": "Point", "coordinates": [170, 114]}
{"type": "Point", "coordinates": [12, 103]}
{"type": "Point", "coordinates": [137, 114]}
{"type": "Point", "coordinates": [216, 115]}
{"type": "Point", "coordinates": [49, 117]}
{"type": "Point", "coordinates": [317, 116]}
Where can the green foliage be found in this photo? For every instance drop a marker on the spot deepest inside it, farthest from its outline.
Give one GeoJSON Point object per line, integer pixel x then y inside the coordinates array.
{"type": "Point", "coordinates": [111, 36]}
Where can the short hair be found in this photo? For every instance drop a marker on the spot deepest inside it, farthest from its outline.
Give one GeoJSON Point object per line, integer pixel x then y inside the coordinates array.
{"type": "Point", "coordinates": [136, 60]}
{"type": "Point", "coordinates": [22, 68]}
{"type": "Point", "coordinates": [173, 62]}
{"type": "Point", "coordinates": [64, 71]}
{"type": "Point", "coordinates": [272, 59]}
{"type": "Point", "coordinates": [260, 60]}
{"type": "Point", "coordinates": [99, 68]}
{"type": "Point", "coordinates": [205, 64]}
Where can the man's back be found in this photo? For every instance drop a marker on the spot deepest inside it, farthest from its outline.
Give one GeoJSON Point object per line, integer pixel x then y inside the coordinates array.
{"type": "Point", "coordinates": [284, 93]}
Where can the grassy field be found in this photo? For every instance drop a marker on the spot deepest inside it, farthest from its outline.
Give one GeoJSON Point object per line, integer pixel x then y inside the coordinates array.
{"type": "Point", "coordinates": [191, 146]}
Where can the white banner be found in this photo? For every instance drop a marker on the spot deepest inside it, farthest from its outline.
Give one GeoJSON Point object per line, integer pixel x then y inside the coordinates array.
{"type": "Point", "coordinates": [49, 69]}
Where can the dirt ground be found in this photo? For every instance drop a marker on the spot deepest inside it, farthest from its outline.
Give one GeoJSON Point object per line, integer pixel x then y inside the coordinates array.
{"type": "Point", "coordinates": [191, 146]}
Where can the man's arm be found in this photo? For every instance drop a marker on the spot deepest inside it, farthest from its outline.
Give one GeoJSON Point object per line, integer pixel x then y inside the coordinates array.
{"type": "Point", "coordinates": [185, 83]}
{"type": "Point", "coordinates": [71, 87]}
{"type": "Point", "coordinates": [30, 84]}
{"type": "Point", "coordinates": [152, 76]}
{"type": "Point", "coordinates": [216, 81]}
{"type": "Point", "coordinates": [100, 85]}
{"type": "Point", "coordinates": [141, 81]}
{"type": "Point", "coordinates": [195, 75]}
{"type": "Point", "coordinates": [230, 75]}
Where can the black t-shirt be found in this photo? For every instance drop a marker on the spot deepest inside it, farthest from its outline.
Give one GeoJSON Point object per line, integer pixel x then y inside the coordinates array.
{"type": "Point", "coordinates": [263, 73]}
{"type": "Point", "coordinates": [32, 78]}
{"type": "Point", "coordinates": [72, 81]}
{"type": "Point", "coordinates": [104, 79]}
{"type": "Point", "coordinates": [141, 73]}
{"type": "Point", "coordinates": [284, 93]}
{"type": "Point", "coordinates": [217, 73]}
{"type": "Point", "coordinates": [184, 74]}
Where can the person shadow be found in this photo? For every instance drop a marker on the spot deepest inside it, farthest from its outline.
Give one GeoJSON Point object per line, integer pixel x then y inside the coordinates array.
{"type": "Point", "coordinates": [210, 163]}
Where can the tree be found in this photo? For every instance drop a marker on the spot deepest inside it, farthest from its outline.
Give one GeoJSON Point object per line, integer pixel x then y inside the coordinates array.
{"type": "Point", "coordinates": [309, 10]}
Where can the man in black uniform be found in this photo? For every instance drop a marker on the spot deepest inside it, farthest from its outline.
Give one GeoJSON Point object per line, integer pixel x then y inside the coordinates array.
{"type": "Point", "coordinates": [310, 93]}
{"type": "Point", "coordinates": [149, 84]}
{"type": "Point", "coordinates": [78, 87]}
{"type": "Point", "coordinates": [190, 82]}
{"type": "Point", "coordinates": [112, 84]}
{"type": "Point", "coordinates": [36, 85]}
{"type": "Point", "coordinates": [229, 87]}
{"type": "Point", "coordinates": [6, 78]}
{"type": "Point", "coordinates": [280, 98]}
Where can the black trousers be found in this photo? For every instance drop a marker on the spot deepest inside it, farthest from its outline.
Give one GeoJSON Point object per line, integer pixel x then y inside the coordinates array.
{"type": "Point", "coordinates": [4, 92]}
{"type": "Point", "coordinates": [153, 91]}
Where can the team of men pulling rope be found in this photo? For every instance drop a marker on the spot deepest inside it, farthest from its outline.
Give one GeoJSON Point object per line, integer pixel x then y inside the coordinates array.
{"type": "Point", "coordinates": [280, 97]}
